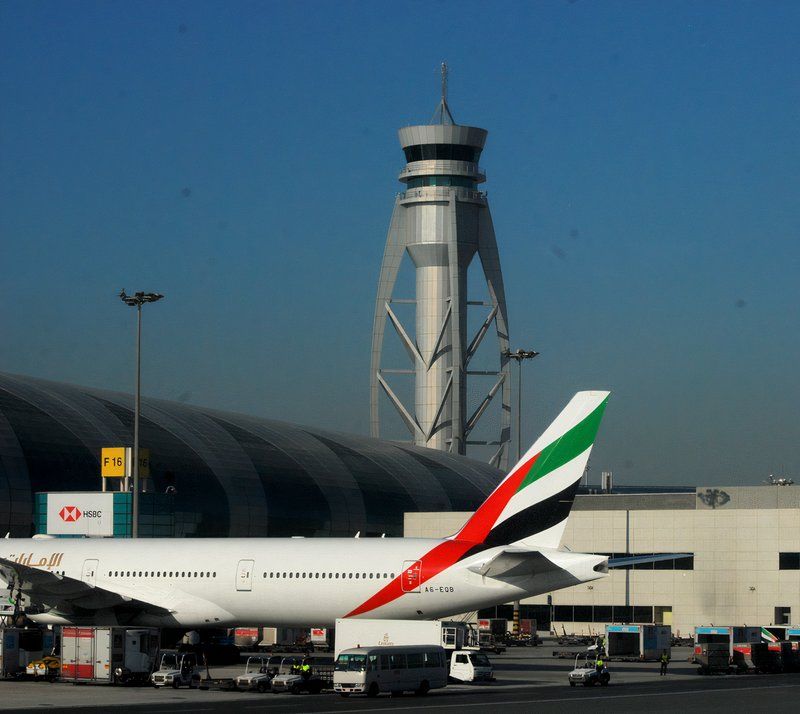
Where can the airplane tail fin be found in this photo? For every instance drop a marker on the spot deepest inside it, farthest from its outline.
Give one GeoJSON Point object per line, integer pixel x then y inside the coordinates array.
{"type": "Point", "coordinates": [531, 505]}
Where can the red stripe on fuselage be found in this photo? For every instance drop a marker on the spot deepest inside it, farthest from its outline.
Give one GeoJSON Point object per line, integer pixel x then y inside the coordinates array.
{"type": "Point", "coordinates": [448, 552]}
{"type": "Point", "coordinates": [432, 563]}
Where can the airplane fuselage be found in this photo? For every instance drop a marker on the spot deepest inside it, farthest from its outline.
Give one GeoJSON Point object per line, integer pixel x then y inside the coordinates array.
{"type": "Point", "coordinates": [275, 581]}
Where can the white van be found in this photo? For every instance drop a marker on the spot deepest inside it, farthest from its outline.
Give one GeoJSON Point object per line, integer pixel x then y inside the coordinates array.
{"type": "Point", "coordinates": [471, 667]}
{"type": "Point", "coordinates": [372, 670]}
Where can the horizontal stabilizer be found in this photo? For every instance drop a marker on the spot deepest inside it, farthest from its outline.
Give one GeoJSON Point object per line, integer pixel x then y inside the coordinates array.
{"type": "Point", "coordinates": [640, 559]}
{"type": "Point", "coordinates": [515, 562]}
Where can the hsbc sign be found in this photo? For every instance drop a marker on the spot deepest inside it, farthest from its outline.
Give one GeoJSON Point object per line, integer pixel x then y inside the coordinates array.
{"type": "Point", "coordinates": [89, 514]}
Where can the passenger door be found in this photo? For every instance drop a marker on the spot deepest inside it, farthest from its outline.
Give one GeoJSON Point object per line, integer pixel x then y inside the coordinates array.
{"type": "Point", "coordinates": [412, 576]}
{"type": "Point", "coordinates": [244, 575]}
{"type": "Point", "coordinates": [89, 574]}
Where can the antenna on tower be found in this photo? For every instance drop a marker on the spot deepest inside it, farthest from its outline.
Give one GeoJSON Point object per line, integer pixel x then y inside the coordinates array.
{"type": "Point", "coordinates": [442, 114]}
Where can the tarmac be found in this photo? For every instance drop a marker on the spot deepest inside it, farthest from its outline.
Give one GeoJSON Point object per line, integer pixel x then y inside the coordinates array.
{"type": "Point", "coordinates": [526, 678]}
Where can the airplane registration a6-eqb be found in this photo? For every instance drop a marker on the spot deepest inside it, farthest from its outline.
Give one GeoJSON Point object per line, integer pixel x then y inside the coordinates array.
{"type": "Point", "coordinates": [508, 550]}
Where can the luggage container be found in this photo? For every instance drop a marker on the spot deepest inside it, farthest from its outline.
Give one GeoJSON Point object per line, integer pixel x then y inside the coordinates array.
{"type": "Point", "coordinates": [498, 626]}
{"type": "Point", "coordinates": [246, 637]}
{"type": "Point", "coordinates": [108, 655]}
{"type": "Point", "coordinates": [320, 638]}
{"type": "Point", "coordinates": [641, 642]}
{"type": "Point", "coordinates": [724, 637]}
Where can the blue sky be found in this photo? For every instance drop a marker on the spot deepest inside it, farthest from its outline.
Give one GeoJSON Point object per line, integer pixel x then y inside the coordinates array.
{"type": "Point", "coordinates": [242, 159]}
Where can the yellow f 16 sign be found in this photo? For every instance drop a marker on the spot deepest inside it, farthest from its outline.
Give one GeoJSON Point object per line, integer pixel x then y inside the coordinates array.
{"type": "Point", "coordinates": [117, 461]}
{"type": "Point", "coordinates": [112, 462]}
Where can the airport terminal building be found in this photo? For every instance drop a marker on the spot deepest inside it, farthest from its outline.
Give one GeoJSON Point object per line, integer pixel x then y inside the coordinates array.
{"type": "Point", "coordinates": [219, 474]}
{"type": "Point", "coordinates": [741, 564]}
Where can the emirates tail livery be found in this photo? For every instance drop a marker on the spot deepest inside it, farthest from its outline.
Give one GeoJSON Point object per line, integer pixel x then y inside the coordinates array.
{"type": "Point", "coordinates": [508, 550]}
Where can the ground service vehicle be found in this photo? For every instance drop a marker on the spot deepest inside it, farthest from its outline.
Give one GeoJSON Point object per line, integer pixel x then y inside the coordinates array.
{"type": "Point", "coordinates": [292, 678]}
{"type": "Point", "coordinates": [372, 670]}
{"type": "Point", "coordinates": [176, 669]}
{"type": "Point", "coordinates": [297, 683]}
{"type": "Point", "coordinates": [489, 643]}
{"type": "Point", "coordinates": [110, 655]}
{"type": "Point", "coordinates": [471, 667]}
{"type": "Point", "coordinates": [258, 673]}
{"type": "Point", "coordinates": [586, 671]}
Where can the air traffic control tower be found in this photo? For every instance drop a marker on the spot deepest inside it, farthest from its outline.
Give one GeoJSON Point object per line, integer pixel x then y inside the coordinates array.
{"type": "Point", "coordinates": [441, 220]}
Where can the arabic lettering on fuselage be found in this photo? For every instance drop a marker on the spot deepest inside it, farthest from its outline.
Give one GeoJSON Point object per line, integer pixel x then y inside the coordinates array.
{"type": "Point", "coordinates": [29, 560]}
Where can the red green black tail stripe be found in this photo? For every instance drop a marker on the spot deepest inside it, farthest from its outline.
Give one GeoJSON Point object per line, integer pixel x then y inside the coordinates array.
{"type": "Point", "coordinates": [482, 530]}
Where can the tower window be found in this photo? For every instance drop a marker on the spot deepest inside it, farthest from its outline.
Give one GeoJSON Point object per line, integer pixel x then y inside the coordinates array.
{"type": "Point", "coordinates": [420, 181]}
{"type": "Point", "coordinates": [442, 152]}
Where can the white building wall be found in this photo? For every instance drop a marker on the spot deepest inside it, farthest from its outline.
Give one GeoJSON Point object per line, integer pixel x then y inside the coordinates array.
{"type": "Point", "coordinates": [735, 581]}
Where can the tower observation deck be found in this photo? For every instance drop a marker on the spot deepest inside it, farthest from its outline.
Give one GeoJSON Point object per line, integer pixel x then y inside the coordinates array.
{"type": "Point", "coordinates": [441, 220]}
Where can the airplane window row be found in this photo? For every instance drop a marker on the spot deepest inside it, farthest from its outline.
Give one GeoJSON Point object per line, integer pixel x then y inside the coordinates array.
{"type": "Point", "coordinates": [331, 576]}
{"type": "Point", "coordinates": [159, 574]}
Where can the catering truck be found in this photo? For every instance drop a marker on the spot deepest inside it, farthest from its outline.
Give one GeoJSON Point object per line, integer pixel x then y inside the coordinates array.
{"type": "Point", "coordinates": [108, 655]}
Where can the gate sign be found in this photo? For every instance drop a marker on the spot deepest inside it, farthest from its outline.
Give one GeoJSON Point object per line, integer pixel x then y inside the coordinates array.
{"type": "Point", "coordinates": [117, 462]}
{"type": "Point", "coordinates": [112, 462]}
{"type": "Point", "coordinates": [89, 514]}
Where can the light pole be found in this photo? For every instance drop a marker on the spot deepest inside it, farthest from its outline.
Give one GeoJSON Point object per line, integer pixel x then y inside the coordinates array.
{"type": "Point", "coordinates": [137, 300]}
{"type": "Point", "coordinates": [519, 356]}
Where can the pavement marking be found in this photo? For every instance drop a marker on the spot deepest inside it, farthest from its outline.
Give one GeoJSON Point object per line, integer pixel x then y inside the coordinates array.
{"type": "Point", "coordinates": [567, 699]}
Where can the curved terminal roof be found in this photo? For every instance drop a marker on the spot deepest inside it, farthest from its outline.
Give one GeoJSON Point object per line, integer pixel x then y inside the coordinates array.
{"type": "Point", "coordinates": [234, 475]}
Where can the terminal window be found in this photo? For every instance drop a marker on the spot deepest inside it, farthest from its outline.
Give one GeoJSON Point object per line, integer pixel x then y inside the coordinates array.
{"type": "Point", "coordinates": [789, 561]}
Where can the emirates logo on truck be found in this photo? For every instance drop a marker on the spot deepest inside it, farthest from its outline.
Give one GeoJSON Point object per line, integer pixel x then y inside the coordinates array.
{"type": "Point", "coordinates": [70, 514]}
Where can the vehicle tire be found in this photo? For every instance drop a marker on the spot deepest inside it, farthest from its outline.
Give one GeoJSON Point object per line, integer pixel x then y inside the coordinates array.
{"type": "Point", "coordinates": [604, 682]}
{"type": "Point", "coordinates": [295, 689]}
{"type": "Point", "coordinates": [175, 684]}
{"type": "Point", "coordinates": [373, 690]}
{"type": "Point", "coordinates": [572, 684]}
{"type": "Point", "coordinates": [423, 689]}
{"type": "Point", "coordinates": [261, 687]}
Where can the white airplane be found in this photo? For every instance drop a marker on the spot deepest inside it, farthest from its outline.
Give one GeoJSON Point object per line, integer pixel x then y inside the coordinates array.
{"type": "Point", "coordinates": [508, 550]}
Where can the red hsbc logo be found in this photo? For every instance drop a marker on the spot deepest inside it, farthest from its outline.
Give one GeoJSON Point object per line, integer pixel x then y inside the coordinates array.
{"type": "Point", "coordinates": [70, 514]}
